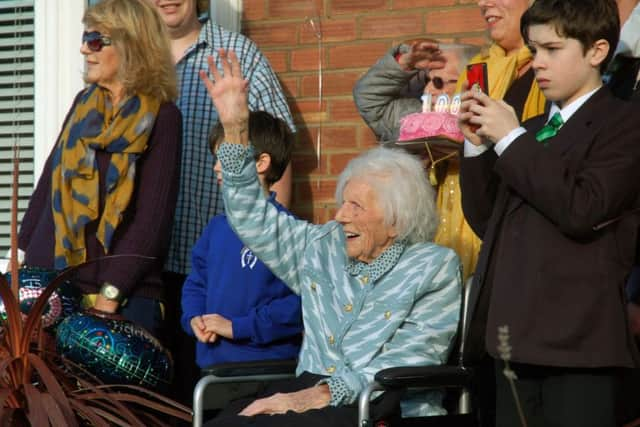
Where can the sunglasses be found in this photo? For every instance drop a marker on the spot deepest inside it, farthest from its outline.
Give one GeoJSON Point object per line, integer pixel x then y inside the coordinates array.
{"type": "Point", "coordinates": [438, 83]}
{"type": "Point", "coordinates": [95, 41]}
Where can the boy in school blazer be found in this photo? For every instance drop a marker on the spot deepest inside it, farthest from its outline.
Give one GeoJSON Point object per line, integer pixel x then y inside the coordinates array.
{"type": "Point", "coordinates": [554, 204]}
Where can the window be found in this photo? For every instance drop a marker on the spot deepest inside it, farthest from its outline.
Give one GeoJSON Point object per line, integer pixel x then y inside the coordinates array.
{"type": "Point", "coordinates": [16, 107]}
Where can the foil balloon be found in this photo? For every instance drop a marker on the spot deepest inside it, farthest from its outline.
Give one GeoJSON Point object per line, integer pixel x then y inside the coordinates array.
{"type": "Point", "coordinates": [31, 283]}
{"type": "Point", "coordinates": [115, 351]}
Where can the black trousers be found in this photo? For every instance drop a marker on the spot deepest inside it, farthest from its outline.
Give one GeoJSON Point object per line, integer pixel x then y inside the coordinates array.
{"type": "Point", "coordinates": [181, 345]}
{"type": "Point", "coordinates": [388, 405]}
{"type": "Point", "coordinates": [557, 397]}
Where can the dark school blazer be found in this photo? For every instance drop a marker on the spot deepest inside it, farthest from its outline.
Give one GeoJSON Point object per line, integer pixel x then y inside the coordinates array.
{"type": "Point", "coordinates": [558, 239]}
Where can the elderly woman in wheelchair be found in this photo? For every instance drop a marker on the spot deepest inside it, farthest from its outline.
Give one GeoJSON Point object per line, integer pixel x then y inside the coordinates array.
{"type": "Point", "coordinates": [376, 292]}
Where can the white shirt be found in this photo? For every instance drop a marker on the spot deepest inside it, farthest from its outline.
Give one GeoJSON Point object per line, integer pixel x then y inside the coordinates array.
{"type": "Point", "coordinates": [471, 150]}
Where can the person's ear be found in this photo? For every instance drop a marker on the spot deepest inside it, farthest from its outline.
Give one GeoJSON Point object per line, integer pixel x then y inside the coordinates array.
{"type": "Point", "coordinates": [263, 163]}
{"type": "Point", "coordinates": [598, 52]}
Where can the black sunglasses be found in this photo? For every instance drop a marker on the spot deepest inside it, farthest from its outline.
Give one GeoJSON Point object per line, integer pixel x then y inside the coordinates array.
{"type": "Point", "coordinates": [95, 41]}
{"type": "Point", "coordinates": [438, 83]}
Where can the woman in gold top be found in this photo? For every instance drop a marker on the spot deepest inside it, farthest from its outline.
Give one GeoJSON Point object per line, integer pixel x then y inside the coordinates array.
{"type": "Point", "coordinates": [510, 77]}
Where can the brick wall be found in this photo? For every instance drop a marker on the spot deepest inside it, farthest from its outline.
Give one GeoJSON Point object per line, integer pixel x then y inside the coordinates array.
{"type": "Point", "coordinates": [353, 34]}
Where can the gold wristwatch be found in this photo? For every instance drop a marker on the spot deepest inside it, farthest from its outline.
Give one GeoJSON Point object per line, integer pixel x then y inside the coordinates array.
{"type": "Point", "coordinates": [110, 292]}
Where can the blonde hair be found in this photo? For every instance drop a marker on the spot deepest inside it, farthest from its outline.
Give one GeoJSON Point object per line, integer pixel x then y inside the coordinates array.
{"type": "Point", "coordinates": [140, 37]}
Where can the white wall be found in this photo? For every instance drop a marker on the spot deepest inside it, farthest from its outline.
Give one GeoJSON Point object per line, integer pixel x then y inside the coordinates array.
{"type": "Point", "coordinates": [227, 13]}
{"type": "Point", "coordinates": [58, 69]}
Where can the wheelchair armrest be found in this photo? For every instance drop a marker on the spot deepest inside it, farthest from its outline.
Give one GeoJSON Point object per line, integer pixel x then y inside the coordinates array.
{"type": "Point", "coordinates": [253, 368]}
{"type": "Point", "coordinates": [261, 370]}
{"type": "Point", "coordinates": [441, 376]}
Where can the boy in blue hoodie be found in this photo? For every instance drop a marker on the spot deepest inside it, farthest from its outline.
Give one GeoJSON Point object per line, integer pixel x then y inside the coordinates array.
{"type": "Point", "coordinates": [231, 302]}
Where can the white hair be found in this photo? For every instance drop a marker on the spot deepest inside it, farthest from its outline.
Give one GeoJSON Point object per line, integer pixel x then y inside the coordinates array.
{"type": "Point", "coordinates": [400, 183]}
{"type": "Point", "coordinates": [464, 52]}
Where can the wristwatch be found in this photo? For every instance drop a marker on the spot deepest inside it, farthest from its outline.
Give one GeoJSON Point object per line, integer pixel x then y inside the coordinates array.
{"type": "Point", "coordinates": [110, 292]}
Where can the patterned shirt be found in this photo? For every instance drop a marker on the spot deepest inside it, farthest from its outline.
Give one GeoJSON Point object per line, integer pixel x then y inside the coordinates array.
{"type": "Point", "coordinates": [199, 198]}
{"type": "Point", "coordinates": [400, 310]}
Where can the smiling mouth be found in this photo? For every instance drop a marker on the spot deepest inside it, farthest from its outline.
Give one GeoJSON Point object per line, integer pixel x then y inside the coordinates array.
{"type": "Point", "coordinates": [351, 235]}
{"type": "Point", "coordinates": [491, 19]}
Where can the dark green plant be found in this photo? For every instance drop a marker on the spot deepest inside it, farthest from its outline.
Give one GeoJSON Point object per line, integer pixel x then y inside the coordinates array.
{"type": "Point", "coordinates": [38, 388]}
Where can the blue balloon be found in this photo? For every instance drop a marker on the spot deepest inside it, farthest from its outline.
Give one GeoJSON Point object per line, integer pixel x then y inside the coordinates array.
{"type": "Point", "coordinates": [116, 351]}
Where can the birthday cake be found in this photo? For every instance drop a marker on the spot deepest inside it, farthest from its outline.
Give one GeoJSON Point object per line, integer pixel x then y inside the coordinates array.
{"type": "Point", "coordinates": [430, 125]}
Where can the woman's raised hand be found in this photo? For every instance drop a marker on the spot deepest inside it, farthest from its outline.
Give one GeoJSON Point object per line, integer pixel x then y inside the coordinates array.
{"type": "Point", "coordinates": [228, 91]}
{"type": "Point", "coordinates": [422, 54]}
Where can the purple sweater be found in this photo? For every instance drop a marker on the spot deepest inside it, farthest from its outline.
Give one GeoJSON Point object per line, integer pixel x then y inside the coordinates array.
{"type": "Point", "coordinates": [144, 230]}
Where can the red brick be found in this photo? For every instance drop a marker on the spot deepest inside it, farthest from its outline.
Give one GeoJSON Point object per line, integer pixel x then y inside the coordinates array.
{"type": "Point", "coordinates": [331, 137]}
{"type": "Point", "coordinates": [294, 8]}
{"type": "Point", "coordinates": [352, 6]}
{"type": "Point", "coordinates": [330, 30]}
{"type": "Point", "coordinates": [333, 83]}
{"type": "Point", "coordinates": [338, 161]}
{"type": "Point", "coordinates": [315, 190]}
{"type": "Point", "coordinates": [356, 55]}
{"type": "Point", "coordinates": [478, 41]}
{"type": "Point", "coordinates": [393, 26]}
{"type": "Point", "coordinates": [324, 213]}
{"type": "Point", "coordinates": [290, 86]}
{"type": "Point", "coordinates": [273, 34]}
{"type": "Point", "coordinates": [338, 137]}
{"type": "Point", "coordinates": [368, 138]}
{"type": "Point", "coordinates": [307, 164]}
{"type": "Point", "coordinates": [253, 10]}
{"type": "Point", "coordinates": [343, 110]}
{"type": "Point", "coordinates": [462, 20]}
{"type": "Point", "coordinates": [309, 111]}
{"type": "Point", "coordinates": [302, 210]}
{"type": "Point", "coordinates": [305, 140]}
{"type": "Point", "coordinates": [414, 4]}
{"type": "Point", "coordinates": [307, 59]}
{"type": "Point", "coordinates": [277, 59]}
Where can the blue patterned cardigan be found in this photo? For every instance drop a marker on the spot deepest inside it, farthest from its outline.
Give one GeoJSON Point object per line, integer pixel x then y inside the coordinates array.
{"type": "Point", "coordinates": [401, 310]}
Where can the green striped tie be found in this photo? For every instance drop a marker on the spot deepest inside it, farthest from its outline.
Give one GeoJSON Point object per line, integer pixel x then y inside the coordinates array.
{"type": "Point", "coordinates": [550, 129]}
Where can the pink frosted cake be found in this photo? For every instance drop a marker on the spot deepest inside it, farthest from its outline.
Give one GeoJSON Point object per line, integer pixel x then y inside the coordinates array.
{"type": "Point", "coordinates": [430, 125]}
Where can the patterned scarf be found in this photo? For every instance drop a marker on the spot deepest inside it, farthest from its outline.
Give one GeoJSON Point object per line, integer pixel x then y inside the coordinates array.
{"type": "Point", "coordinates": [96, 125]}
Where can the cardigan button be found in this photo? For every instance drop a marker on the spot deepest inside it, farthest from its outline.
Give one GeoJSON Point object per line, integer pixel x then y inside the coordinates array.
{"type": "Point", "coordinates": [331, 369]}
{"type": "Point", "coordinates": [348, 308]}
{"type": "Point", "coordinates": [387, 315]}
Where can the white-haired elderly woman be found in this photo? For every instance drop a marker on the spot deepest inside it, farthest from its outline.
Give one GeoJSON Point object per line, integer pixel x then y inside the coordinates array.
{"type": "Point", "coordinates": [375, 291]}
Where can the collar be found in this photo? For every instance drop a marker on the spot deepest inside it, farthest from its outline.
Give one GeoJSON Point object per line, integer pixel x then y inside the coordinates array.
{"type": "Point", "coordinates": [570, 109]}
{"type": "Point", "coordinates": [373, 271]}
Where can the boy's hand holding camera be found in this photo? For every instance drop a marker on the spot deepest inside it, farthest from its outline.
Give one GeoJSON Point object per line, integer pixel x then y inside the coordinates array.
{"type": "Point", "coordinates": [492, 119]}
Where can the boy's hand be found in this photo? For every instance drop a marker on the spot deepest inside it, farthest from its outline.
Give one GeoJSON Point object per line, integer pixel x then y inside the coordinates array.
{"type": "Point", "coordinates": [218, 325]}
{"type": "Point", "coordinates": [198, 328]}
{"type": "Point", "coordinates": [465, 115]}
{"type": "Point", "coordinates": [228, 91]}
{"type": "Point", "coordinates": [495, 119]}
{"type": "Point", "coordinates": [422, 54]}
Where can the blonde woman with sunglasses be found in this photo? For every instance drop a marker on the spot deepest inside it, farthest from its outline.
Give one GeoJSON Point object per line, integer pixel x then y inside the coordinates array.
{"type": "Point", "coordinates": [109, 186]}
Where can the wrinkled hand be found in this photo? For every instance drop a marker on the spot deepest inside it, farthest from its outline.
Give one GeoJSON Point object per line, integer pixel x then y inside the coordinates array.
{"type": "Point", "coordinates": [228, 91]}
{"type": "Point", "coordinates": [493, 119]}
{"type": "Point", "coordinates": [218, 325]}
{"type": "Point", "coordinates": [423, 54]}
{"type": "Point", "coordinates": [300, 401]}
{"type": "Point", "coordinates": [198, 328]}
